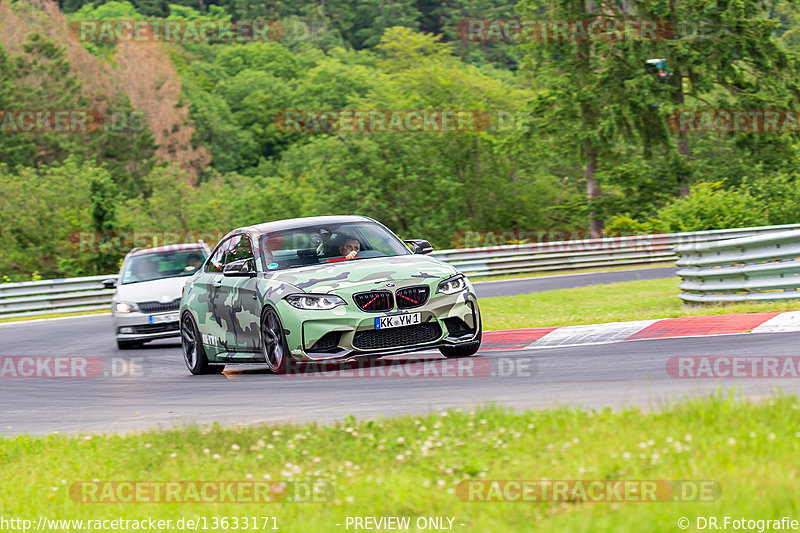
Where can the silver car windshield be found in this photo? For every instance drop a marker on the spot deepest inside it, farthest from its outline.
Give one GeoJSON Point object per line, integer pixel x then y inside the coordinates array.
{"type": "Point", "coordinates": [156, 265]}
{"type": "Point", "coordinates": [329, 243]}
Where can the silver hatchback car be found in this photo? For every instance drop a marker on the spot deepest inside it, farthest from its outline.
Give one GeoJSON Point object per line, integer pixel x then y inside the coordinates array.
{"type": "Point", "coordinates": [148, 291]}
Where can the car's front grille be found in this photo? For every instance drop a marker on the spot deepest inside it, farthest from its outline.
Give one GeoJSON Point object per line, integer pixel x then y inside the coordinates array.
{"type": "Point", "coordinates": [374, 300]}
{"type": "Point", "coordinates": [158, 307]}
{"type": "Point", "coordinates": [411, 297]}
{"type": "Point", "coordinates": [393, 337]}
{"type": "Point", "coordinates": [328, 342]}
{"type": "Point", "coordinates": [155, 328]}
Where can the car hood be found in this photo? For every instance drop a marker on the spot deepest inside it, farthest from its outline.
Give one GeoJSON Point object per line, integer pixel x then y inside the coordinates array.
{"type": "Point", "coordinates": [366, 273]}
{"type": "Point", "coordinates": [163, 290]}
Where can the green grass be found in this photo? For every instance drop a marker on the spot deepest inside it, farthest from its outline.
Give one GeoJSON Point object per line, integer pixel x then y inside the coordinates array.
{"type": "Point", "coordinates": [52, 315]}
{"type": "Point", "coordinates": [615, 302]}
{"type": "Point", "coordinates": [523, 275]}
{"type": "Point", "coordinates": [747, 448]}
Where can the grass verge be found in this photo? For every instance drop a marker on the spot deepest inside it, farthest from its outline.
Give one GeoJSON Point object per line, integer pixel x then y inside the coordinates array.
{"type": "Point", "coordinates": [53, 315]}
{"type": "Point", "coordinates": [523, 275]}
{"type": "Point", "coordinates": [411, 466]}
{"type": "Point", "coordinates": [473, 278]}
{"type": "Point", "coordinates": [615, 302]}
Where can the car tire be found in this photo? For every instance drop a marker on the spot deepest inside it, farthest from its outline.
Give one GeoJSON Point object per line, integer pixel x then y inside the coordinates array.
{"type": "Point", "coordinates": [464, 350]}
{"type": "Point", "coordinates": [274, 346]}
{"type": "Point", "coordinates": [129, 345]}
{"type": "Point", "coordinates": [194, 355]}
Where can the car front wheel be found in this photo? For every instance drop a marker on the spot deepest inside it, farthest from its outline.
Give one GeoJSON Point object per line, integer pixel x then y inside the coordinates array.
{"type": "Point", "coordinates": [464, 350]}
{"type": "Point", "coordinates": [193, 353]}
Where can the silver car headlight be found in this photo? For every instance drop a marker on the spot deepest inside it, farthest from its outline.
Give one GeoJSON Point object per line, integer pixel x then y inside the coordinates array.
{"type": "Point", "coordinates": [126, 307]}
{"type": "Point", "coordinates": [315, 301]}
{"type": "Point", "coordinates": [452, 285]}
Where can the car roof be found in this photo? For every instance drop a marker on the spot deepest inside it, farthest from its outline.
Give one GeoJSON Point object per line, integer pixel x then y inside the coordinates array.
{"type": "Point", "coordinates": [170, 248]}
{"type": "Point", "coordinates": [290, 223]}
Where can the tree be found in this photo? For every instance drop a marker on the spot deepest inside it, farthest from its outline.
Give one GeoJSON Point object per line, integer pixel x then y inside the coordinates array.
{"type": "Point", "coordinates": [38, 80]}
{"type": "Point", "coordinates": [45, 215]}
{"type": "Point", "coordinates": [41, 79]}
{"type": "Point", "coordinates": [397, 176]}
{"type": "Point", "coordinates": [603, 99]}
{"type": "Point", "coordinates": [726, 54]}
{"type": "Point", "coordinates": [578, 91]}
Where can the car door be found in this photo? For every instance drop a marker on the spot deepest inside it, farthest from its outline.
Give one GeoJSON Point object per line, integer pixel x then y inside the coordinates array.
{"type": "Point", "coordinates": [207, 286]}
{"type": "Point", "coordinates": [238, 303]}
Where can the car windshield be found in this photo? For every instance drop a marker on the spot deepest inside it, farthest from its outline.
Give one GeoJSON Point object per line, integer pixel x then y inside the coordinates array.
{"type": "Point", "coordinates": [157, 265]}
{"type": "Point", "coordinates": [329, 243]}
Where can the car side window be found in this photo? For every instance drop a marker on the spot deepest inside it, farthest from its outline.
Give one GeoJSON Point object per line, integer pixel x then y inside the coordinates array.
{"type": "Point", "coordinates": [241, 248]}
{"type": "Point", "coordinates": [375, 240]}
{"type": "Point", "coordinates": [217, 261]}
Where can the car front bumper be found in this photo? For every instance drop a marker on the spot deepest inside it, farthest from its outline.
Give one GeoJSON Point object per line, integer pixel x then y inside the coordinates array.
{"type": "Point", "coordinates": [138, 327]}
{"type": "Point", "coordinates": [446, 320]}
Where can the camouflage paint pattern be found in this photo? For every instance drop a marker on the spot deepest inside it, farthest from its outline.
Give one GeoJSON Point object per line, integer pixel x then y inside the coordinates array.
{"type": "Point", "coordinates": [228, 309]}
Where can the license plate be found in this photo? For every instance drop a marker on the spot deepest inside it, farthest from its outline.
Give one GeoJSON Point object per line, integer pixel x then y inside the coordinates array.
{"type": "Point", "coordinates": [396, 321]}
{"type": "Point", "coordinates": [158, 319]}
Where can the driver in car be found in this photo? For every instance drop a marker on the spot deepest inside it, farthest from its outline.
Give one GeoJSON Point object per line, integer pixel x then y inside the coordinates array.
{"type": "Point", "coordinates": [350, 248]}
{"type": "Point", "coordinates": [144, 270]}
{"type": "Point", "coordinates": [193, 263]}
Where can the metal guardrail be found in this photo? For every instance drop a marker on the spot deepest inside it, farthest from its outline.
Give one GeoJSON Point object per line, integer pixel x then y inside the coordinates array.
{"type": "Point", "coordinates": [68, 295]}
{"type": "Point", "coordinates": [757, 268]}
{"type": "Point", "coordinates": [610, 252]}
{"type": "Point", "coordinates": [30, 298]}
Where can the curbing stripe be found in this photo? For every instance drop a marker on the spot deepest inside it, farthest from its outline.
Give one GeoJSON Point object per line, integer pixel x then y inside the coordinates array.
{"type": "Point", "coordinates": [695, 326]}
{"type": "Point", "coordinates": [591, 333]}
{"type": "Point", "coordinates": [512, 339]}
{"type": "Point", "coordinates": [788, 321]}
{"type": "Point", "coordinates": [703, 325]}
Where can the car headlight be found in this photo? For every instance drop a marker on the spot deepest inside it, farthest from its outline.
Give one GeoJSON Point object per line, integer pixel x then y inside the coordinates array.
{"type": "Point", "coordinates": [315, 301]}
{"type": "Point", "coordinates": [125, 307]}
{"type": "Point", "coordinates": [453, 285]}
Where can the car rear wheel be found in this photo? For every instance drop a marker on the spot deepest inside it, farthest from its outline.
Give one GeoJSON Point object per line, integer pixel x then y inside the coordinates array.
{"type": "Point", "coordinates": [193, 353]}
{"type": "Point", "coordinates": [465, 350]}
{"type": "Point", "coordinates": [273, 341]}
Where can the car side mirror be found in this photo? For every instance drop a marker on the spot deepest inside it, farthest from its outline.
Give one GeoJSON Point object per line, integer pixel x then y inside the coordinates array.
{"type": "Point", "coordinates": [242, 268]}
{"type": "Point", "coordinates": [420, 246]}
{"type": "Point", "coordinates": [110, 283]}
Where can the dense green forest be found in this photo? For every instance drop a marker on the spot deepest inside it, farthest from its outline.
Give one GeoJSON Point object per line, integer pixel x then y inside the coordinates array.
{"type": "Point", "coordinates": [579, 137]}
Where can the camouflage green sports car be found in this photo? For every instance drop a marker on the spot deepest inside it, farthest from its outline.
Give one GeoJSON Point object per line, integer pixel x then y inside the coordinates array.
{"type": "Point", "coordinates": [323, 288]}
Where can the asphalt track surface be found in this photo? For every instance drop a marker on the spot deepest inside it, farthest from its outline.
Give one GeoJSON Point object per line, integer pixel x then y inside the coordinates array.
{"type": "Point", "coordinates": [159, 391]}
